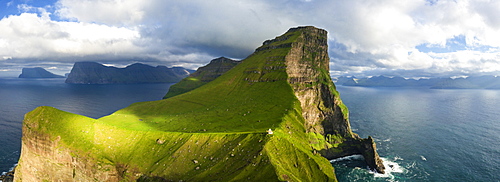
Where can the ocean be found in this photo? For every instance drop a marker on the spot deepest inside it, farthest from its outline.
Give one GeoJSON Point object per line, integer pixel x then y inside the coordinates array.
{"type": "Point", "coordinates": [425, 134]}
{"type": "Point", "coordinates": [421, 134]}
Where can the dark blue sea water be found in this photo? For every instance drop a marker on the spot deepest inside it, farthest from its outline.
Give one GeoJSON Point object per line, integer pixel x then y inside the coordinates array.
{"type": "Point", "coordinates": [426, 134]}
{"type": "Point", "coordinates": [19, 96]}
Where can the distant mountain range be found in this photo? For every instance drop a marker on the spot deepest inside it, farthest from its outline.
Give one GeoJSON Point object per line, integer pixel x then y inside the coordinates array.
{"type": "Point", "coordinates": [38, 72]}
{"type": "Point", "coordinates": [96, 73]}
{"type": "Point", "coordinates": [472, 82]}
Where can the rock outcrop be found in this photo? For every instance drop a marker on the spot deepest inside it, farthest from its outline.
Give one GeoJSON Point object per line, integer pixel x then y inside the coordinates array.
{"type": "Point", "coordinates": [8, 176]}
{"type": "Point", "coordinates": [38, 72]}
{"type": "Point", "coordinates": [44, 156]}
{"type": "Point", "coordinates": [273, 117]}
{"type": "Point", "coordinates": [307, 68]}
{"type": "Point", "coordinates": [95, 73]}
{"type": "Point", "coordinates": [203, 75]}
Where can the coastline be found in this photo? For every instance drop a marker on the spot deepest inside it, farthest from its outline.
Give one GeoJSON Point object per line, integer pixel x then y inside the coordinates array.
{"type": "Point", "coordinates": [8, 176]}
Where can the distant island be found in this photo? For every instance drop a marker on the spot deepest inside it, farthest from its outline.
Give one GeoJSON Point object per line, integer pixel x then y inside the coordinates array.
{"type": "Point", "coordinates": [96, 73]}
{"type": "Point", "coordinates": [472, 82]}
{"type": "Point", "coordinates": [37, 72]}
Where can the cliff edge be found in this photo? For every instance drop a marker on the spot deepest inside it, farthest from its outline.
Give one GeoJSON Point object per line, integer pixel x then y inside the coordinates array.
{"type": "Point", "coordinates": [308, 73]}
{"type": "Point", "coordinates": [273, 117]}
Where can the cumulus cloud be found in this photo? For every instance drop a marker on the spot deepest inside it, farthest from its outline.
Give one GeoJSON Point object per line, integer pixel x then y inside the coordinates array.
{"type": "Point", "coordinates": [233, 28]}
{"type": "Point", "coordinates": [33, 36]}
{"type": "Point", "coordinates": [29, 35]}
{"type": "Point", "coordinates": [385, 34]}
{"type": "Point", "coordinates": [366, 37]}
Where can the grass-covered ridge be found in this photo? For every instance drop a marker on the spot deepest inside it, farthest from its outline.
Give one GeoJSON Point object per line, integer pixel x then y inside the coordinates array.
{"type": "Point", "coordinates": [202, 75]}
{"type": "Point", "coordinates": [151, 155]}
{"type": "Point", "coordinates": [252, 97]}
{"type": "Point", "coordinates": [216, 132]}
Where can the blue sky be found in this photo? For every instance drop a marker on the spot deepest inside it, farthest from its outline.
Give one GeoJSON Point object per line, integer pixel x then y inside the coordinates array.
{"type": "Point", "coordinates": [13, 7]}
{"type": "Point", "coordinates": [411, 38]}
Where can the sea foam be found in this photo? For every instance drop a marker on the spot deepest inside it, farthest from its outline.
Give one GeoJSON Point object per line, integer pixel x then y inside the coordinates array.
{"type": "Point", "coordinates": [348, 158]}
{"type": "Point", "coordinates": [391, 166]}
{"type": "Point", "coordinates": [11, 169]}
{"type": "Point", "coordinates": [423, 158]}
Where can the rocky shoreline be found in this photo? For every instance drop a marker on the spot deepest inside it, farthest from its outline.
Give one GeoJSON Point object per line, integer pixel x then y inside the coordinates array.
{"type": "Point", "coordinates": [8, 176]}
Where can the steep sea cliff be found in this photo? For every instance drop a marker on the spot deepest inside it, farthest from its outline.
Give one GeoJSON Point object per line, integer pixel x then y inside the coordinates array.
{"type": "Point", "coordinates": [214, 132]}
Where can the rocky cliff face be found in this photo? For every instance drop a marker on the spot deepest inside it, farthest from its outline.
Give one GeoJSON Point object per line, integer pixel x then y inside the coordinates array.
{"type": "Point", "coordinates": [95, 73]}
{"type": "Point", "coordinates": [37, 73]}
{"type": "Point", "coordinates": [216, 132]}
{"type": "Point", "coordinates": [307, 66]}
{"type": "Point", "coordinates": [203, 75]}
{"type": "Point", "coordinates": [45, 156]}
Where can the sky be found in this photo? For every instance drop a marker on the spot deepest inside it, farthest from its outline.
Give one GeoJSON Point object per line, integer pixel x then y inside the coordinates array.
{"type": "Point", "coordinates": [410, 38]}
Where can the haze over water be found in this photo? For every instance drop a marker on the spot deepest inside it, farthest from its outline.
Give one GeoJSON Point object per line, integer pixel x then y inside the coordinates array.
{"type": "Point", "coordinates": [423, 134]}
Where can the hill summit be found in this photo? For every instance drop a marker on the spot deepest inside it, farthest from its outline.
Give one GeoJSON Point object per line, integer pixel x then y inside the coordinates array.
{"type": "Point", "coordinates": [37, 72]}
{"type": "Point", "coordinates": [275, 116]}
{"type": "Point", "coordinates": [203, 75]}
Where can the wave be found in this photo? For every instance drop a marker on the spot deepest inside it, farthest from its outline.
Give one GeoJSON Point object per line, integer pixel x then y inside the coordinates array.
{"type": "Point", "coordinates": [423, 158]}
{"type": "Point", "coordinates": [383, 140]}
{"type": "Point", "coordinates": [391, 166]}
{"type": "Point", "coordinates": [398, 158]}
{"type": "Point", "coordinates": [348, 158]}
{"type": "Point", "coordinates": [11, 169]}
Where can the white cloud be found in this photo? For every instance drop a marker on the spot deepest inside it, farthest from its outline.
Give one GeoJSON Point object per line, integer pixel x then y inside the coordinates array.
{"type": "Point", "coordinates": [366, 36]}
{"type": "Point", "coordinates": [384, 34]}
{"type": "Point", "coordinates": [235, 26]}
{"type": "Point", "coordinates": [467, 61]}
{"type": "Point", "coordinates": [109, 12]}
{"type": "Point", "coordinates": [31, 36]}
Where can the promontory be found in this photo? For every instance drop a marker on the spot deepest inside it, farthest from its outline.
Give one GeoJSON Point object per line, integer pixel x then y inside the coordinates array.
{"type": "Point", "coordinates": [276, 116]}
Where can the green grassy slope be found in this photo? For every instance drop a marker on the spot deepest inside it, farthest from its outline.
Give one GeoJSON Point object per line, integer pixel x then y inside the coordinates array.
{"type": "Point", "coordinates": [216, 132]}
{"type": "Point", "coordinates": [251, 97]}
{"type": "Point", "coordinates": [203, 75]}
{"type": "Point", "coordinates": [148, 155]}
